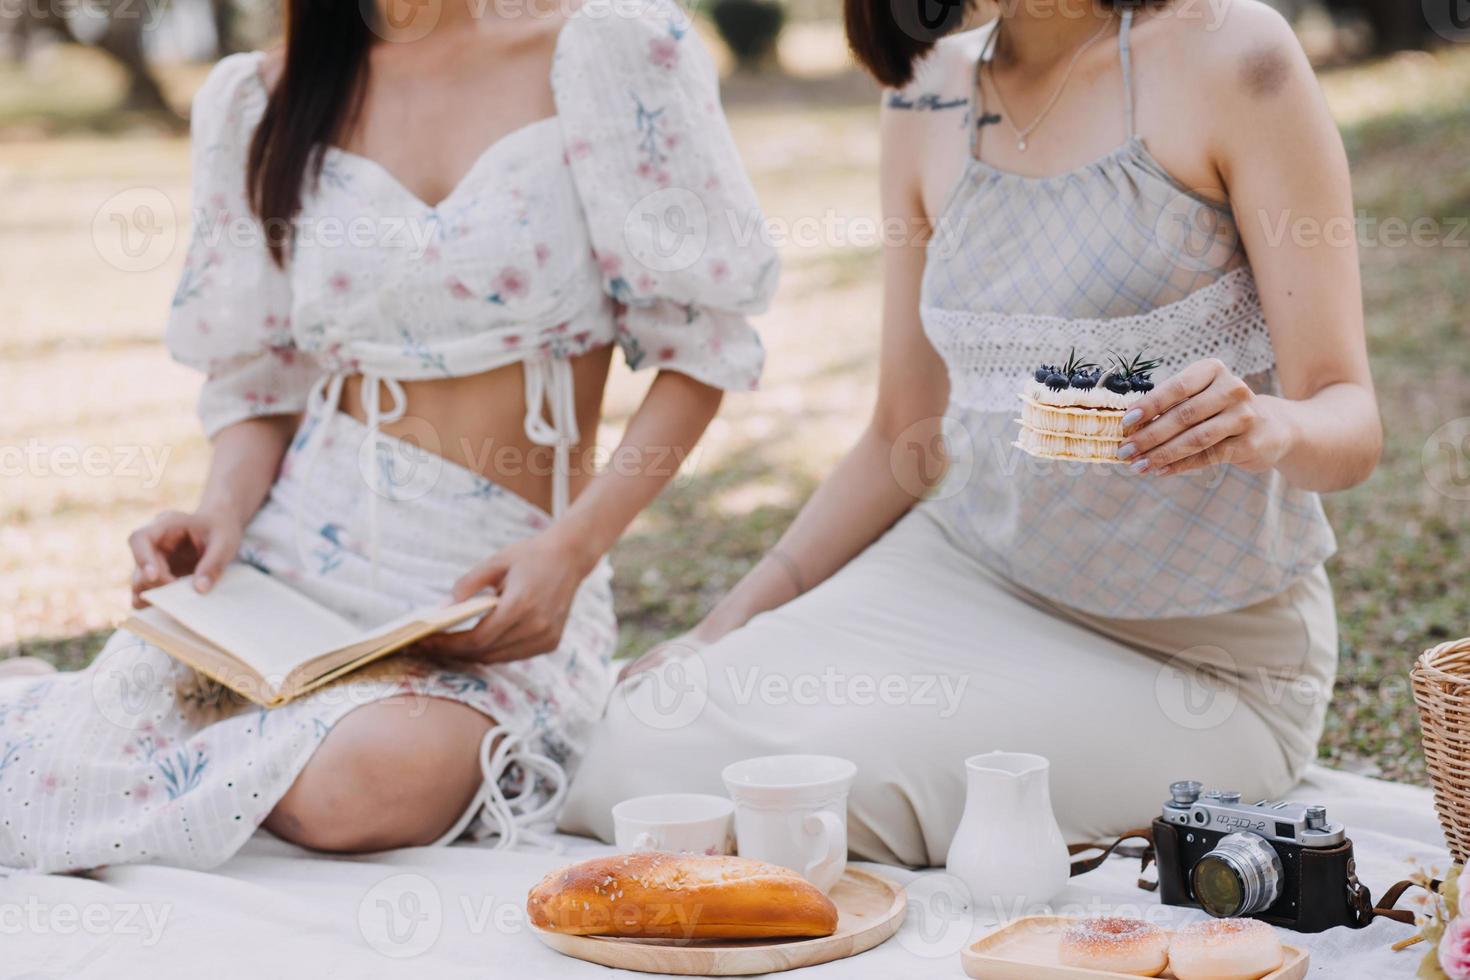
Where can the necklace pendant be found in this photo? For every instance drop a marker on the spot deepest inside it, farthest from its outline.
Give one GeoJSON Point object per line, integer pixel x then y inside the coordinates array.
{"type": "Point", "coordinates": [1021, 146]}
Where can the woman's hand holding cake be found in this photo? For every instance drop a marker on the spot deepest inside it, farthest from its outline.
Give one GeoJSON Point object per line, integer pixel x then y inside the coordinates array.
{"type": "Point", "coordinates": [1202, 416]}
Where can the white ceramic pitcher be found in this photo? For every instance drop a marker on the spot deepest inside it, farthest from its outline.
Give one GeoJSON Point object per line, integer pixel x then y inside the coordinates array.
{"type": "Point", "coordinates": [1008, 849]}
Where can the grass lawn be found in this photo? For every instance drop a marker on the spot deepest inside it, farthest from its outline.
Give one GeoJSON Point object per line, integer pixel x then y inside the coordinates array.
{"type": "Point", "coordinates": [82, 366]}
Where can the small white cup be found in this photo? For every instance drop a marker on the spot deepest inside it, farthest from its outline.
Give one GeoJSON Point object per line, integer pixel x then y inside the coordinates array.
{"type": "Point", "coordinates": [791, 810]}
{"type": "Point", "coordinates": [681, 823]}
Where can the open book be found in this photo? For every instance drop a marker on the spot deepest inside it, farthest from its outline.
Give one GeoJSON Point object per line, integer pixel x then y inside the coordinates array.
{"type": "Point", "coordinates": [262, 638]}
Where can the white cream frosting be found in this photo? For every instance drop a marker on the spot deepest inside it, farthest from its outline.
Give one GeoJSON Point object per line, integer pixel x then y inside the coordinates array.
{"type": "Point", "coordinates": [1095, 422]}
{"type": "Point", "coordinates": [1098, 397]}
{"type": "Point", "coordinates": [1054, 445]}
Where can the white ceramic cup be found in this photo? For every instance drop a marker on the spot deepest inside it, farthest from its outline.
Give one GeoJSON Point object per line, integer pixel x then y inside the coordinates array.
{"type": "Point", "coordinates": [791, 810]}
{"type": "Point", "coordinates": [682, 823]}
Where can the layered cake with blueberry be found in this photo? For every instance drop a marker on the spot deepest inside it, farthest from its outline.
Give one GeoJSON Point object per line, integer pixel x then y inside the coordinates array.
{"type": "Point", "coordinates": [1075, 411]}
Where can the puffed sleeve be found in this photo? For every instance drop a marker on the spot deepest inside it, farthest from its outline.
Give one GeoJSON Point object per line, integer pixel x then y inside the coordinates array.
{"type": "Point", "coordinates": [677, 233]}
{"type": "Point", "coordinates": [231, 314]}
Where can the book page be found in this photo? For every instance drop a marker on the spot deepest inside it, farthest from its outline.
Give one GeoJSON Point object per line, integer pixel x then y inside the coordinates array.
{"type": "Point", "coordinates": [449, 619]}
{"type": "Point", "coordinates": [385, 640]}
{"type": "Point", "coordinates": [188, 647]}
{"type": "Point", "coordinates": [264, 623]}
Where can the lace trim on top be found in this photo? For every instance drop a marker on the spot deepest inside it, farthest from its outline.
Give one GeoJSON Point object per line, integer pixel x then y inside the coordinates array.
{"type": "Point", "coordinates": [990, 355]}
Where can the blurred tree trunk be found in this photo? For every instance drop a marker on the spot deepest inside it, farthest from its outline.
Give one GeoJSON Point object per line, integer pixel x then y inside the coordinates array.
{"type": "Point", "coordinates": [1396, 24]}
{"type": "Point", "coordinates": [226, 27]}
{"type": "Point", "coordinates": [123, 39]}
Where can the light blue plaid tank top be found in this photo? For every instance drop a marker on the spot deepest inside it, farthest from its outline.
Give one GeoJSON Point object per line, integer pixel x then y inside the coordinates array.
{"type": "Point", "coordinates": [1115, 256]}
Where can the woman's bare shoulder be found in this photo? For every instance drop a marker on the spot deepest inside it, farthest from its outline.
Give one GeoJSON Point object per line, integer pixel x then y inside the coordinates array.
{"type": "Point", "coordinates": [1227, 49]}
{"type": "Point", "coordinates": [926, 124]}
{"type": "Point", "coordinates": [942, 78]}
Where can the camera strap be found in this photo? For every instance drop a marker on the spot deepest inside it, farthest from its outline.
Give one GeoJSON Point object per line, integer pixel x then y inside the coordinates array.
{"type": "Point", "coordinates": [1144, 853]}
{"type": "Point", "coordinates": [1365, 911]}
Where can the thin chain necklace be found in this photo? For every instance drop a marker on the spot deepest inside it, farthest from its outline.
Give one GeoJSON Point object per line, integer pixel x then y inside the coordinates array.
{"type": "Point", "coordinates": [1023, 133]}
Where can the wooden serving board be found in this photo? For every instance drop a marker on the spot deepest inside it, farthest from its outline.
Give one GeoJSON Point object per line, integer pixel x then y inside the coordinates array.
{"type": "Point", "coordinates": [1026, 949]}
{"type": "Point", "coordinates": [869, 910]}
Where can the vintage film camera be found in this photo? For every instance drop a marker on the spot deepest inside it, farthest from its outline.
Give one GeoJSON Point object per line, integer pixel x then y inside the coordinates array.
{"type": "Point", "coordinates": [1284, 863]}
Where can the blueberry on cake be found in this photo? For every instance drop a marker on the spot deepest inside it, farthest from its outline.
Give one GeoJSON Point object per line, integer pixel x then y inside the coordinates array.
{"type": "Point", "coordinates": [1075, 411]}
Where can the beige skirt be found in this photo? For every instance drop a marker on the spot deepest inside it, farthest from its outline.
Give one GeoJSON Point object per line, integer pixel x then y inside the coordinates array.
{"type": "Point", "coordinates": [915, 656]}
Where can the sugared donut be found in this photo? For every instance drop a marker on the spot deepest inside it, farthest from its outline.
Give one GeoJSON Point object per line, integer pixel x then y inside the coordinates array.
{"type": "Point", "coordinates": [1225, 949]}
{"type": "Point", "coordinates": [1115, 945]}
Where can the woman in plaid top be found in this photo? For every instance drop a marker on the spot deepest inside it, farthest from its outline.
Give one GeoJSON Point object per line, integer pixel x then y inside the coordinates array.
{"type": "Point", "coordinates": [1117, 179]}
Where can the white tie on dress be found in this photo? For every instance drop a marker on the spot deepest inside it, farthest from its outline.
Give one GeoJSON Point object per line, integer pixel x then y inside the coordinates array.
{"type": "Point", "coordinates": [550, 391]}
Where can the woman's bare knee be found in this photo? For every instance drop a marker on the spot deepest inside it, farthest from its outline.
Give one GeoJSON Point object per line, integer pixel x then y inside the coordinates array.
{"type": "Point", "coordinates": [390, 774]}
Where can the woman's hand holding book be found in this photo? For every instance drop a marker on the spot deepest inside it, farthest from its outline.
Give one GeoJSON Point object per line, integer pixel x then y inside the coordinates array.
{"type": "Point", "coordinates": [174, 544]}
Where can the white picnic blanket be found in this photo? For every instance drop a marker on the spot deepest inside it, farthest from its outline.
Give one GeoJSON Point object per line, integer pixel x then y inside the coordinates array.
{"type": "Point", "coordinates": [275, 911]}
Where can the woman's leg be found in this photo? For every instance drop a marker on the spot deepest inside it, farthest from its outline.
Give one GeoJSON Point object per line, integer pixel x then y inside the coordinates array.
{"type": "Point", "coordinates": [908, 661]}
{"type": "Point", "coordinates": [394, 773]}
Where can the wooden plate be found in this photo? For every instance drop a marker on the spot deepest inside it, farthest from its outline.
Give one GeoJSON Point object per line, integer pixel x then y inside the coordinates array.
{"type": "Point", "coordinates": [1026, 949]}
{"type": "Point", "coordinates": [869, 910]}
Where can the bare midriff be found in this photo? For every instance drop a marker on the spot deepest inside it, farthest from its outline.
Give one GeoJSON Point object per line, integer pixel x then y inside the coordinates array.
{"type": "Point", "coordinates": [479, 422]}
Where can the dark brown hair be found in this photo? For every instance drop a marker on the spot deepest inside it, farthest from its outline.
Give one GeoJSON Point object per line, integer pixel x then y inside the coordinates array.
{"type": "Point", "coordinates": [889, 36]}
{"type": "Point", "coordinates": [315, 99]}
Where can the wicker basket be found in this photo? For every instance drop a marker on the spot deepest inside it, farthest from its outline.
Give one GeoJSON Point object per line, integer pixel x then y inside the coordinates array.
{"type": "Point", "coordinates": [1441, 679]}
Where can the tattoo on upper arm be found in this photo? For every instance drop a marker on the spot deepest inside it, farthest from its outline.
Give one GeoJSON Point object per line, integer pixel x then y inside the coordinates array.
{"type": "Point", "coordinates": [1264, 71]}
{"type": "Point", "coordinates": [927, 102]}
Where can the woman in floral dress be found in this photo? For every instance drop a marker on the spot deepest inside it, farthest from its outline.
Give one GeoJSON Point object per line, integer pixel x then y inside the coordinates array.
{"type": "Point", "coordinates": [400, 396]}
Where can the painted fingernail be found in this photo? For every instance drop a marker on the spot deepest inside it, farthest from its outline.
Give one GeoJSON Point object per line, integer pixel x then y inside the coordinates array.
{"type": "Point", "coordinates": [1127, 450]}
{"type": "Point", "coordinates": [1131, 416]}
{"type": "Point", "coordinates": [1139, 466]}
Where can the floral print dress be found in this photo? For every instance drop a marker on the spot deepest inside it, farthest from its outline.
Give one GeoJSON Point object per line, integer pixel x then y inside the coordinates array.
{"type": "Point", "coordinates": [625, 218]}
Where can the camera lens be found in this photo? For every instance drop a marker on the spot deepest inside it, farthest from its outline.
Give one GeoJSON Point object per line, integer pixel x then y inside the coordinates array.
{"type": "Point", "coordinates": [1241, 876]}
